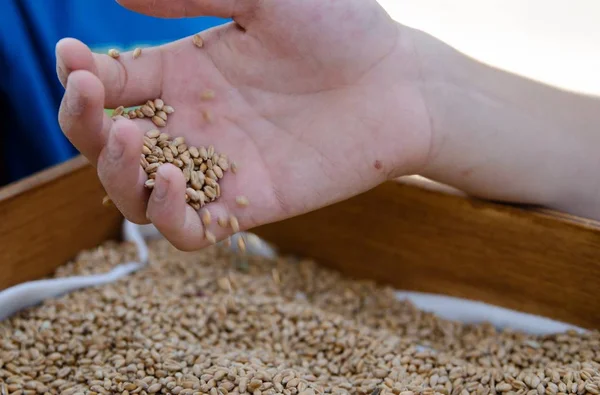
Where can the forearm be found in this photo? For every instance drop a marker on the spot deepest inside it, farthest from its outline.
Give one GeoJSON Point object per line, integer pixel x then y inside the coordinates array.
{"type": "Point", "coordinates": [499, 136]}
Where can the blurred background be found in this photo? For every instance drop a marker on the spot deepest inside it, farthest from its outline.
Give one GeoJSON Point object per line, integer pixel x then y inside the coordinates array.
{"type": "Point", "coordinates": [30, 93]}
{"type": "Point", "coordinates": [556, 42]}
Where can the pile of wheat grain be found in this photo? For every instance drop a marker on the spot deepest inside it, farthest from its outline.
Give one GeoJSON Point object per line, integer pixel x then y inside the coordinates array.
{"type": "Point", "coordinates": [216, 323]}
{"type": "Point", "coordinates": [202, 167]}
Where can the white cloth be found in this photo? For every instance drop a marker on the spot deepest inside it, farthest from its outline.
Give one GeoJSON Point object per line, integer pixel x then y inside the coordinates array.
{"type": "Point", "coordinates": [32, 293]}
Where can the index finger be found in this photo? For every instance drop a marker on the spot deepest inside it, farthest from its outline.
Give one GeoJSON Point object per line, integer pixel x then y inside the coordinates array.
{"type": "Point", "coordinates": [127, 81]}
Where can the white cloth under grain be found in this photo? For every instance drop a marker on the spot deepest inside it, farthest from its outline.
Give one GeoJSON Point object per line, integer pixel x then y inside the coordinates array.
{"type": "Point", "coordinates": [32, 293]}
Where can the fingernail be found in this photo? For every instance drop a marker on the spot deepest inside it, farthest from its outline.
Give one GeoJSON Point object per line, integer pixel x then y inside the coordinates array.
{"type": "Point", "coordinates": [161, 187]}
{"type": "Point", "coordinates": [115, 147]}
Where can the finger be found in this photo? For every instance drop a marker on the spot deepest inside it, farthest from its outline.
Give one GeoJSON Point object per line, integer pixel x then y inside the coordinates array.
{"type": "Point", "coordinates": [120, 172]}
{"type": "Point", "coordinates": [127, 81]}
{"type": "Point", "coordinates": [72, 55]}
{"type": "Point", "coordinates": [177, 221]}
{"type": "Point", "coordinates": [81, 114]}
{"type": "Point", "coordinates": [191, 8]}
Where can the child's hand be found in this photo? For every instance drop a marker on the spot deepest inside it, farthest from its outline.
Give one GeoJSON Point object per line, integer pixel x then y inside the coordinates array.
{"type": "Point", "coordinates": [315, 101]}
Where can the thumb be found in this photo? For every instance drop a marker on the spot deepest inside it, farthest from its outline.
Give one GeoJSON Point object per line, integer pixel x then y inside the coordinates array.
{"type": "Point", "coordinates": [234, 9]}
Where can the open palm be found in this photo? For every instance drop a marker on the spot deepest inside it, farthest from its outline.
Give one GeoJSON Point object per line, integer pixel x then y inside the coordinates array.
{"type": "Point", "coordinates": [315, 100]}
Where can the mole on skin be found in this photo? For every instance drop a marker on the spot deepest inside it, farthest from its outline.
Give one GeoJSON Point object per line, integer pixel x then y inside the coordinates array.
{"type": "Point", "coordinates": [377, 165]}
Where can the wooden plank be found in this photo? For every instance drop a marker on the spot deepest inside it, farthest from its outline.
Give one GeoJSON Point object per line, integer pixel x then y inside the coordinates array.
{"type": "Point", "coordinates": [423, 239]}
{"type": "Point", "coordinates": [49, 217]}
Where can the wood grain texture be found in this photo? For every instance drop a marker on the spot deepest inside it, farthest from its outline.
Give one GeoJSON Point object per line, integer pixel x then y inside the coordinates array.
{"type": "Point", "coordinates": [48, 218]}
{"type": "Point", "coordinates": [425, 240]}
{"type": "Point", "coordinates": [413, 235]}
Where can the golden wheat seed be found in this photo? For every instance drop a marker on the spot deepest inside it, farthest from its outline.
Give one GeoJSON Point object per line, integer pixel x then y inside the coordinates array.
{"type": "Point", "coordinates": [147, 111]}
{"type": "Point", "coordinates": [202, 196]}
{"type": "Point", "coordinates": [193, 194]}
{"type": "Point", "coordinates": [206, 217]}
{"type": "Point", "coordinates": [146, 150]}
{"type": "Point", "coordinates": [197, 40]}
{"type": "Point", "coordinates": [114, 53]}
{"type": "Point", "coordinates": [148, 142]}
{"type": "Point", "coordinates": [203, 153]}
{"type": "Point", "coordinates": [242, 201]}
{"type": "Point", "coordinates": [222, 221]}
{"type": "Point", "coordinates": [234, 223]}
{"type": "Point", "coordinates": [152, 167]}
{"type": "Point", "coordinates": [223, 164]}
{"type": "Point", "coordinates": [107, 201]}
{"type": "Point", "coordinates": [208, 94]}
{"type": "Point", "coordinates": [159, 104]}
{"type": "Point", "coordinates": [139, 113]}
{"type": "Point", "coordinates": [149, 183]}
{"type": "Point", "coordinates": [178, 162]}
{"type": "Point", "coordinates": [168, 109]}
{"type": "Point", "coordinates": [150, 103]}
{"type": "Point", "coordinates": [187, 174]}
{"type": "Point", "coordinates": [195, 181]}
{"type": "Point", "coordinates": [210, 181]}
{"type": "Point", "coordinates": [185, 157]}
{"type": "Point", "coordinates": [194, 152]}
{"type": "Point", "coordinates": [208, 116]}
{"type": "Point", "coordinates": [217, 170]}
{"type": "Point", "coordinates": [162, 114]}
{"type": "Point", "coordinates": [211, 174]}
{"type": "Point", "coordinates": [168, 154]}
{"type": "Point", "coordinates": [159, 121]}
{"type": "Point", "coordinates": [209, 192]}
{"type": "Point", "coordinates": [137, 52]}
{"type": "Point", "coordinates": [118, 111]}
{"type": "Point", "coordinates": [241, 244]}
{"type": "Point", "coordinates": [164, 137]}
{"type": "Point", "coordinates": [210, 237]}
{"type": "Point", "coordinates": [153, 134]}
{"type": "Point", "coordinates": [234, 167]}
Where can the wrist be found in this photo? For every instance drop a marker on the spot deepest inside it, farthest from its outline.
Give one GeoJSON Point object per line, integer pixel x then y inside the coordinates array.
{"type": "Point", "coordinates": [408, 134]}
{"type": "Point", "coordinates": [498, 136]}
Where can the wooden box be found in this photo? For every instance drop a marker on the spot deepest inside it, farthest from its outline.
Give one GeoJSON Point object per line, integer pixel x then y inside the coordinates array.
{"type": "Point", "coordinates": [410, 234]}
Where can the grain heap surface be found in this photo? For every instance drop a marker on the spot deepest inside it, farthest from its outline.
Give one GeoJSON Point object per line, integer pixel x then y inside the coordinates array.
{"type": "Point", "coordinates": [211, 322]}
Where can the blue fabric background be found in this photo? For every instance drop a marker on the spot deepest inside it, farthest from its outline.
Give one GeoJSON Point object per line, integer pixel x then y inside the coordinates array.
{"type": "Point", "coordinates": [30, 93]}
